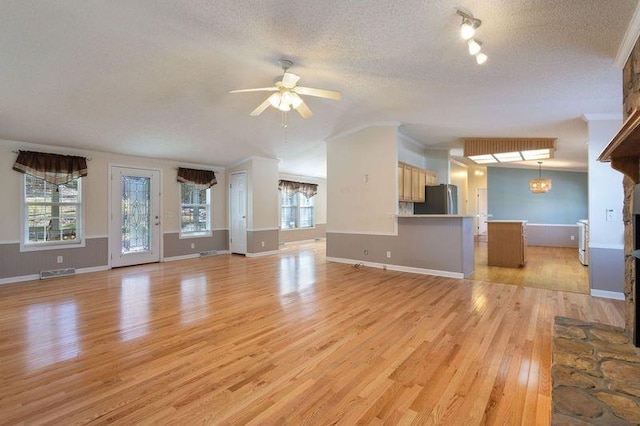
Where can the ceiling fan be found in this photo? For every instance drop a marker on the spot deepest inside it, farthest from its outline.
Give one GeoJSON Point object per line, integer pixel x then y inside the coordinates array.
{"type": "Point", "coordinates": [287, 93]}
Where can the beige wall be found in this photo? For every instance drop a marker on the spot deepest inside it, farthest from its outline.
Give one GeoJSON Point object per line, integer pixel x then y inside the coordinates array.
{"type": "Point", "coordinates": [15, 264]}
{"type": "Point", "coordinates": [477, 179]}
{"type": "Point", "coordinates": [460, 178]}
{"type": "Point", "coordinates": [362, 181]}
{"type": "Point", "coordinates": [262, 192]}
{"type": "Point", "coordinates": [96, 189]}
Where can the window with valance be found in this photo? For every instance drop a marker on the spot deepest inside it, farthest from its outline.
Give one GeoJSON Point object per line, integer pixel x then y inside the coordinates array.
{"type": "Point", "coordinates": [195, 201]}
{"type": "Point", "coordinates": [291, 187]}
{"type": "Point", "coordinates": [297, 204]}
{"type": "Point", "coordinates": [52, 199]}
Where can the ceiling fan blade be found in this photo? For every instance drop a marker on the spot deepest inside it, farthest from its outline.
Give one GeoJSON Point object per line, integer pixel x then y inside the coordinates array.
{"type": "Point", "coordinates": [289, 80]}
{"type": "Point", "coordinates": [320, 93]}
{"type": "Point", "coordinates": [261, 89]}
{"type": "Point", "coordinates": [260, 108]}
{"type": "Point", "coordinates": [304, 110]}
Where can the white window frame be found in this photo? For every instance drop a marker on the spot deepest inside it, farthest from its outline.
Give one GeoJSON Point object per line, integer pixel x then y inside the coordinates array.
{"type": "Point", "coordinates": [26, 245]}
{"type": "Point", "coordinates": [195, 234]}
{"type": "Point", "coordinates": [298, 195]}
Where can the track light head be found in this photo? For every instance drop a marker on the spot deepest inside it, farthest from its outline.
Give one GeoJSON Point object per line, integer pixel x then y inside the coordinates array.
{"type": "Point", "coordinates": [469, 25]}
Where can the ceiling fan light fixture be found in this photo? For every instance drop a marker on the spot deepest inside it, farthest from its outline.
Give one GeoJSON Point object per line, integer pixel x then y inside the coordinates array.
{"type": "Point", "coordinates": [275, 99]}
{"type": "Point", "coordinates": [296, 100]}
{"type": "Point", "coordinates": [481, 58]}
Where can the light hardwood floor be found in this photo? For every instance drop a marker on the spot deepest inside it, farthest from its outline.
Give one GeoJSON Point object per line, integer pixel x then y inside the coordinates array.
{"type": "Point", "coordinates": [283, 339]}
{"type": "Point", "coordinates": [555, 268]}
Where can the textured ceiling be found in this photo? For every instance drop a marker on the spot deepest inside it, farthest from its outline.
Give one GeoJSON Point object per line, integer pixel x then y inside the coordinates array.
{"type": "Point", "coordinates": [152, 78]}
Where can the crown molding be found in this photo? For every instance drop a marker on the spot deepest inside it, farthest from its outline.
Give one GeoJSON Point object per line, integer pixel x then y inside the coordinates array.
{"type": "Point", "coordinates": [629, 39]}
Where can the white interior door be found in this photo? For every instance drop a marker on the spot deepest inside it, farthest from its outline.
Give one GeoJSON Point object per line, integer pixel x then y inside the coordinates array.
{"type": "Point", "coordinates": [483, 213]}
{"type": "Point", "coordinates": [134, 232]}
{"type": "Point", "coordinates": [238, 213]}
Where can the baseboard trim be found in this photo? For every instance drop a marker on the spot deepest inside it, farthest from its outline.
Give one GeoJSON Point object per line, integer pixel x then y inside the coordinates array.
{"type": "Point", "coordinates": [192, 256]}
{"type": "Point", "coordinates": [34, 277]}
{"type": "Point", "coordinates": [607, 294]}
{"type": "Point", "coordinates": [309, 240]}
{"type": "Point", "coordinates": [262, 253]}
{"type": "Point", "coordinates": [399, 268]}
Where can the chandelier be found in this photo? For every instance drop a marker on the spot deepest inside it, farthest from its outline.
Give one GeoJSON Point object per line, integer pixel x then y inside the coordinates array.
{"type": "Point", "coordinates": [540, 186]}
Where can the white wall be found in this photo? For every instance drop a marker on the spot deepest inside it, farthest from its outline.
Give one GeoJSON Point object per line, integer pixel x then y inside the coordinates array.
{"type": "Point", "coordinates": [439, 161]}
{"type": "Point", "coordinates": [411, 151]}
{"type": "Point", "coordinates": [477, 179]}
{"type": "Point", "coordinates": [262, 192]}
{"type": "Point", "coordinates": [606, 237]}
{"type": "Point", "coordinates": [362, 181]}
{"type": "Point", "coordinates": [460, 178]}
{"type": "Point", "coordinates": [96, 184]}
{"type": "Point", "coordinates": [605, 188]}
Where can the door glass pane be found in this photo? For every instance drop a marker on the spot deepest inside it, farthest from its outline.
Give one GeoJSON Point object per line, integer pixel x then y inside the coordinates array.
{"type": "Point", "coordinates": [136, 214]}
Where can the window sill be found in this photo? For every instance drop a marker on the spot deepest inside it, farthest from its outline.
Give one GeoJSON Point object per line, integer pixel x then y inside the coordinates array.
{"type": "Point", "coordinates": [195, 235]}
{"type": "Point", "coordinates": [297, 229]}
{"type": "Point", "coordinates": [51, 245]}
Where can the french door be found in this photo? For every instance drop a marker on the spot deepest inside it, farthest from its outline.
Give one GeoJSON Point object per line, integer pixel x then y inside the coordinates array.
{"type": "Point", "coordinates": [134, 231]}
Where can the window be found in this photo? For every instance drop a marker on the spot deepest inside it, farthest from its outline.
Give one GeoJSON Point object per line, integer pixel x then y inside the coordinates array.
{"type": "Point", "coordinates": [296, 211]}
{"type": "Point", "coordinates": [195, 211]}
{"type": "Point", "coordinates": [52, 212]}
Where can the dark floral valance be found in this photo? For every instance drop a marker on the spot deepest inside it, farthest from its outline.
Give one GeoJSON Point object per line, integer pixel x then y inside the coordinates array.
{"type": "Point", "coordinates": [290, 188]}
{"type": "Point", "coordinates": [200, 179]}
{"type": "Point", "coordinates": [53, 168]}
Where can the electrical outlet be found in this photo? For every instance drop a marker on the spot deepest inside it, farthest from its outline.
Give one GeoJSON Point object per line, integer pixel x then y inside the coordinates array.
{"type": "Point", "coordinates": [59, 259]}
{"type": "Point", "coordinates": [193, 245]}
{"type": "Point", "coordinates": [262, 243]}
{"type": "Point", "coordinates": [573, 237]}
{"type": "Point", "coordinates": [366, 252]}
{"type": "Point", "coordinates": [388, 254]}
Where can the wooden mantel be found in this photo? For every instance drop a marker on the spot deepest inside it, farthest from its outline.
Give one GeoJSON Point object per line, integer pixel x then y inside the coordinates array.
{"type": "Point", "coordinates": [624, 149]}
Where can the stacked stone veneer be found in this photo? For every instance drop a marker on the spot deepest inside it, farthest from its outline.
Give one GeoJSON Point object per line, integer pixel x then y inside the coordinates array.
{"type": "Point", "coordinates": [596, 375]}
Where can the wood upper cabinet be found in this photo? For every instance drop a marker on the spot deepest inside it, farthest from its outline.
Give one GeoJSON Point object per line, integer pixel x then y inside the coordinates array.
{"type": "Point", "coordinates": [400, 182]}
{"type": "Point", "coordinates": [411, 182]}
{"type": "Point", "coordinates": [407, 182]}
{"type": "Point", "coordinates": [415, 184]}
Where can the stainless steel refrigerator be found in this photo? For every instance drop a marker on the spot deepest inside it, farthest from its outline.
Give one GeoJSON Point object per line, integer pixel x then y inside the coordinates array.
{"type": "Point", "coordinates": [439, 199]}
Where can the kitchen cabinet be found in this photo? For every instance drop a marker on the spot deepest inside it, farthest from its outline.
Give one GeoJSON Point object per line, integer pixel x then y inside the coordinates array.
{"type": "Point", "coordinates": [400, 181]}
{"type": "Point", "coordinates": [411, 183]}
{"type": "Point", "coordinates": [507, 243]}
{"type": "Point", "coordinates": [407, 182]}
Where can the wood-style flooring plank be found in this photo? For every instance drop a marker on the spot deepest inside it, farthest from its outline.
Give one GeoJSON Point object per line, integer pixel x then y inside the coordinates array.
{"type": "Point", "coordinates": [283, 339]}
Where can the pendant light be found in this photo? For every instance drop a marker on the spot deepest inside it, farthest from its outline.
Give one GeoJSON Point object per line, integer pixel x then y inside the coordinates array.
{"type": "Point", "coordinates": [540, 186]}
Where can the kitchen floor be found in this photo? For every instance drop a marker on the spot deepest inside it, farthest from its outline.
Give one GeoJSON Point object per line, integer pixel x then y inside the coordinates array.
{"type": "Point", "coordinates": [554, 268]}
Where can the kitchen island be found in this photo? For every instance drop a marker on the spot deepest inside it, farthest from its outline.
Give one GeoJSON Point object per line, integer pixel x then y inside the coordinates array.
{"type": "Point", "coordinates": [507, 243]}
{"type": "Point", "coordinates": [434, 244]}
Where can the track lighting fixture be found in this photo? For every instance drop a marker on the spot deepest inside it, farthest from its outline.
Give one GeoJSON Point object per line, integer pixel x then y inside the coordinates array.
{"type": "Point", "coordinates": [467, 31]}
{"type": "Point", "coordinates": [469, 25]}
{"type": "Point", "coordinates": [474, 46]}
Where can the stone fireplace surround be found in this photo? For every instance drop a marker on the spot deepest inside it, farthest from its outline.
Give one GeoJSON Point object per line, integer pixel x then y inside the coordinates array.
{"type": "Point", "coordinates": [596, 367]}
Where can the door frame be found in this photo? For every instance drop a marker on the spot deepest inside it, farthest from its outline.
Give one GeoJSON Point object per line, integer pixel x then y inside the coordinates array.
{"type": "Point", "coordinates": [246, 194]}
{"type": "Point", "coordinates": [110, 241]}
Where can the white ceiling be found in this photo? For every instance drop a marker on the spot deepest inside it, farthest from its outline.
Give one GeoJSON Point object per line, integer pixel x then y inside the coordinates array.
{"type": "Point", "coordinates": [151, 77]}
